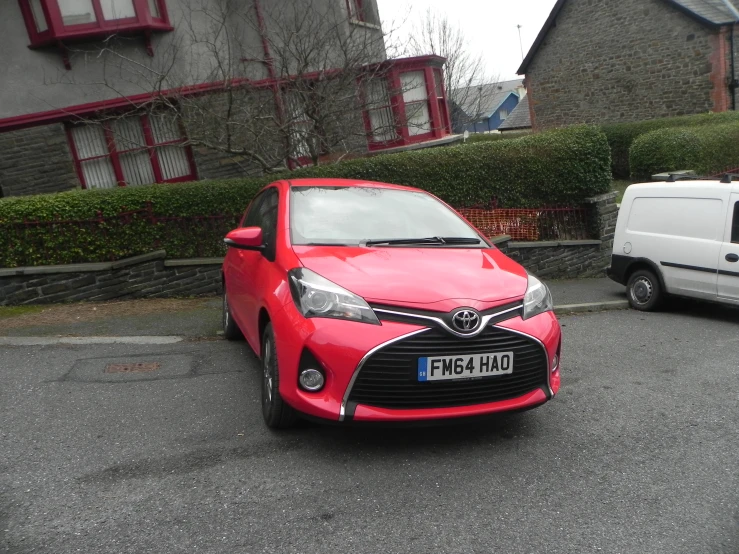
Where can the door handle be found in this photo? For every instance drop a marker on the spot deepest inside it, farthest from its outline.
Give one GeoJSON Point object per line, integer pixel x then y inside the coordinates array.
{"type": "Point", "coordinates": [732, 258]}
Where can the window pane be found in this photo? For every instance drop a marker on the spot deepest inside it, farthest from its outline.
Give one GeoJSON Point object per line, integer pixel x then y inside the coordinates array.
{"type": "Point", "coordinates": [154, 8]}
{"type": "Point", "coordinates": [419, 121]}
{"type": "Point", "coordinates": [383, 124]}
{"type": "Point", "coordinates": [137, 168]}
{"type": "Point", "coordinates": [76, 12]}
{"type": "Point", "coordinates": [735, 224]}
{"type": "Point", "coordinates": [89, 141]}
{"type": "Point", "coordinates": [438, 83]}
{"type": "Point", "coordinates": [117, 9]}
{"type": "Point", "coordinates": [173, 162]}
{"type": "Point", "coordinates": [503, 114]}
{"type": "Point", "coordinates": [414, 86]}
{"type": "Point", "coordinates": [99, 173]}
{"type": "Point", "coordinates": [164, 128]}
{"type": "Point", "coordinates": [38, 16]}
{"type": "Point", "coordinates": [128, 133]}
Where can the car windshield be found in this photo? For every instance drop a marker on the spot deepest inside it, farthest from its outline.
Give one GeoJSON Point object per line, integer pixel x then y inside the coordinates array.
{"type": "Point", "coordinates": [373, 216]}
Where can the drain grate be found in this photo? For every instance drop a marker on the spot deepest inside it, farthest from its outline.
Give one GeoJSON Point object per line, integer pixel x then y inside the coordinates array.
{"type": "Point", "coordinates": [140, 367]}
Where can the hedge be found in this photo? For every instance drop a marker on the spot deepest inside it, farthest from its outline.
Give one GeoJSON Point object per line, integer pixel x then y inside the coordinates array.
{"type": "Point", "coordinates": [493, 137]}
{"type": "Point", "coordinates": [622, 135]}
{"type": "Point", "coordinates": [707, 150]}
{"type": "Point", "coordinates": [555, 168]}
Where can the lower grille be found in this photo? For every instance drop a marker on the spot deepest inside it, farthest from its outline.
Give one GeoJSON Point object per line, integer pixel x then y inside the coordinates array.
{"type": "Point", "coordinates": [389, 377]}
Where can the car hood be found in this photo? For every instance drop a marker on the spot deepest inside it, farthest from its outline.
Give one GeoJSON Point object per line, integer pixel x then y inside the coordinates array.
{"type": "Point", "coordinates": [419, 276]}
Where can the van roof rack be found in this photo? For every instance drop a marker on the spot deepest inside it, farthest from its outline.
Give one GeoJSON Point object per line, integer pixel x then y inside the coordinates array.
{"type": "Point", "coordinates": [675, 177]}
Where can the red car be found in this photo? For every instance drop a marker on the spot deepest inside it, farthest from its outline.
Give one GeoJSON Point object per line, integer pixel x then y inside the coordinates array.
{"type": "Point", "coordinates": [370, 302]}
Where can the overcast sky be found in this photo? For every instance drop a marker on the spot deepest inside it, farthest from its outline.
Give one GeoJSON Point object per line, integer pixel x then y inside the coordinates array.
{"type": "Point", "coordinates": [490, 25]}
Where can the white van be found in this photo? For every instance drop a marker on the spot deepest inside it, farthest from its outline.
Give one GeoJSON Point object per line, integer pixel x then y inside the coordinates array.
{"type": "Point", "coordinates": [679, 238]}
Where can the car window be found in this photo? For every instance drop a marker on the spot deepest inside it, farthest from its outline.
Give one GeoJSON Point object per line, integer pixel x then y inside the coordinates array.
{"type": "Point", "coordinates": [253, 217]}
{"type": "Point", "coordinates": [735, 224]}
{"type": "Point", "coordinates": [349, 215]}
{"type": "Point", "coordinates": [268, 211]}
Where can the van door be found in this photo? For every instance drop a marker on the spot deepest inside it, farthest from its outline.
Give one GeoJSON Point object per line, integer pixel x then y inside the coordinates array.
{"type": "Point", "coordinates": [728, 263]}
{"type": "Point", "coordinates": [681, 235]}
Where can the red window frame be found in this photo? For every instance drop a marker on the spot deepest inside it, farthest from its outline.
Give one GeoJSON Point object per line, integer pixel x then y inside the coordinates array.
{"type": "Point", "coordinates": [114, 153]}
{"type": "Point", "coordinates": [357, 10]}
{"type": "Point", "coordinates": [143, 21]}
{"type": "Point", "coordinates": [431, 66]}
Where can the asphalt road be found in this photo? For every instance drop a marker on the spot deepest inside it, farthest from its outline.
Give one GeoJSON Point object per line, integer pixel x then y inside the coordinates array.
{"type": "Point", "coordinates": [638, 454]}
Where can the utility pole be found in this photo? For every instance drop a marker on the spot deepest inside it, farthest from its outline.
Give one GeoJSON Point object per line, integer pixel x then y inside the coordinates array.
{"type": "Point", "coordinates": [520, 42]}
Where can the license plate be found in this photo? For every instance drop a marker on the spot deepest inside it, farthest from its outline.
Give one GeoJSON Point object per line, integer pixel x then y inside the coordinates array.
{"type": "Point", "coordinates": [465, 367]}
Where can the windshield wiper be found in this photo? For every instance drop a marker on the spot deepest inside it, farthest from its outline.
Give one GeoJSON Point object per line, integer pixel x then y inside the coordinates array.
{"type": "Point", "coordinates": [426, 240]}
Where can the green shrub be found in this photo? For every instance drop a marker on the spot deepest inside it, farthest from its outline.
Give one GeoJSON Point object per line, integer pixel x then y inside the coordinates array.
{"type": "Point", "coordinates": [708, 150]}
{"type": "Point", "coordinates": [622, 135]}
{"type": "Point", "coordinates": [559, 167]}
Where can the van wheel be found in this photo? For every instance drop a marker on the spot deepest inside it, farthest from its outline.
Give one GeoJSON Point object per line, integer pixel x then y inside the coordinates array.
{"type": "Point", "coordinates": [644, 291]}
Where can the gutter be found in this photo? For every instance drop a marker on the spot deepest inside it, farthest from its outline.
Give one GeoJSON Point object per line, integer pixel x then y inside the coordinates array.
{"type": "Point", "coordinates": [733, 83]}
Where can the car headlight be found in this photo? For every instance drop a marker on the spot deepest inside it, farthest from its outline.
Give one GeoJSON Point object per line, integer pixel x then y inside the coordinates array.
{"type": "Point", "coordinates": [316, 296]}
{"type": "Point", "coordinates": [538, 299]}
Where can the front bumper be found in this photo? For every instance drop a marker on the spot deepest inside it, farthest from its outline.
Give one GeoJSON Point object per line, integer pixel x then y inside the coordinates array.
{"type": "Point", "coordinates": [341, 347]}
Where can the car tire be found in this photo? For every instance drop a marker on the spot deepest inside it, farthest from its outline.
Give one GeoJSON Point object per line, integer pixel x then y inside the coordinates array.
{"type": "Point", "coordinates": [230, 329]}
{"type": "Point", "coordinates": [276, 412]}
{"type": "Point", "coordinates": [644, 291]}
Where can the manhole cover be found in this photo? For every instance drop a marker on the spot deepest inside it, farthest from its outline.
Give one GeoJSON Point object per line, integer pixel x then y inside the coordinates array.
{"type": "Point", "coordinates": [139, 367]}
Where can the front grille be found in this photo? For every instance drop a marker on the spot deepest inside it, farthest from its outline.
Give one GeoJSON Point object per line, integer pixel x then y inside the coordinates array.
{"type": "Point", "coordinates": [389, 377]}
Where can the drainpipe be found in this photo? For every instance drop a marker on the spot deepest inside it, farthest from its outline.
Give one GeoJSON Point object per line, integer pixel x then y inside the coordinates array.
{"type": "Point", "coordinates": [733, 84]}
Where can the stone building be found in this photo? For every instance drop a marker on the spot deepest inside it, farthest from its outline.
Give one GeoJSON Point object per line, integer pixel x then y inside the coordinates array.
{"type": "Point", "coordinates": [106, 93]}
{"type": "Point", "coordinates": [606, 61]}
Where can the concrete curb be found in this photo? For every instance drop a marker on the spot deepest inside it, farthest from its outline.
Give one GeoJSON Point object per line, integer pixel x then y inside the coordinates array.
{"type": "Point", "coordinates": [568, 309]}
{"type": "Point", "coordinates": [50, 341]}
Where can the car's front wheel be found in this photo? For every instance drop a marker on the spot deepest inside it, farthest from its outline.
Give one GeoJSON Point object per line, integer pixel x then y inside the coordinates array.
{"type": "Point", "coordinates": [276, 412]}
{"type": "Point", "coordinates": [230, 329]}
{"type": "Point", "coordinates": [644, 291]}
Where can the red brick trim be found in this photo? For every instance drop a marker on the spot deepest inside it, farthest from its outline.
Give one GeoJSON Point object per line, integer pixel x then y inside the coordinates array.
{"type": "Point", "coordinates": [720, 70]}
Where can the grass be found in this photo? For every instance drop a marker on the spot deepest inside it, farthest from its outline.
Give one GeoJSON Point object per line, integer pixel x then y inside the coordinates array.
{"type": "Point", "coordinates": [620, 187]}
{"type": "Point", "coordinates": [14, 311]}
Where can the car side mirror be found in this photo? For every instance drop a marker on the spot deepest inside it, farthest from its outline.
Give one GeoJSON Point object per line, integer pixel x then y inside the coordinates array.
{"type": "Point", "coordinates": [247, 238]}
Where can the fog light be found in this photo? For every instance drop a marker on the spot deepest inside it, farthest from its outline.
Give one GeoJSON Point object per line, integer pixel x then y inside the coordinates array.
{"type": "Point", "coordinates": [555, 363]}
{"type": "Point", "coordinates": [311, 380]}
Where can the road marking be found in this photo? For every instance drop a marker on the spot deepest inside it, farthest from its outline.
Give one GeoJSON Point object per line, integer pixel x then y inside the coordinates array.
{"type": "Point", "coordinates": [46, 341]}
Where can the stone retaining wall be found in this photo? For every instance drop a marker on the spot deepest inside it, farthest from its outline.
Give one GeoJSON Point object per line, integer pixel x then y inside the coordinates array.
{"type": "Point", "coordinates": [153, 276]}
{"type": "Point", "coordinates": [147, 276]}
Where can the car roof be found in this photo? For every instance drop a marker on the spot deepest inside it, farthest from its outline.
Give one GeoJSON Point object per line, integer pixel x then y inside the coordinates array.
{"type": "Point", "coordinates": [321, 182]}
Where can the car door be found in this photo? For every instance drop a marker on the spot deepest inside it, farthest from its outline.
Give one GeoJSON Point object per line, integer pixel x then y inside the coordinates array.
{"type": "Point", "coordinates": [728, 263]}
{"type": "Point", "coordinates": [254, 267]}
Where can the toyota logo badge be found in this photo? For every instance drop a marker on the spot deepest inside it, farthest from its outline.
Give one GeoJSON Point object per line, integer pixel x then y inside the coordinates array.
{"type": "Point", "coordinates": [466, 321]}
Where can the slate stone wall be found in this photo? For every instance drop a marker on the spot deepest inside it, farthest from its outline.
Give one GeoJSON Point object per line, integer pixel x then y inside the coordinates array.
{"type": "Point", "coordinates": [35, 161]}
{"type": "Point", "coordinates": [148, 276]}
{"type": "Point", "coordinates": [607, 61]}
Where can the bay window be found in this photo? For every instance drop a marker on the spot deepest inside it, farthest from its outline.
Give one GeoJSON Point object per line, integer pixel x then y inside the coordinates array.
{"type": "Point", "coordinates": [52, 22]}
{"type": "Point", "coordinates": [131, 150]}
{"type": "Point", "coordinates": [406, 103]}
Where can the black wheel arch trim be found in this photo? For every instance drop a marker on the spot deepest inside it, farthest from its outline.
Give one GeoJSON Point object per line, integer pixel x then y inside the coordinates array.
{"type": "Point", "coordinates": [622, 267]}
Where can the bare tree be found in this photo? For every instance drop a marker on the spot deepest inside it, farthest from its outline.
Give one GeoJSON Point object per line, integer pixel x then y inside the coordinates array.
{"type": "Point", "coordinates": [270, 87]}
{"type": "Point", "coordinates": [469, 87]}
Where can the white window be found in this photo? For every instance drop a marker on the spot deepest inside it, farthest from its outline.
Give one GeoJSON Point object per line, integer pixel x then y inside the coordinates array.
{"type": "Point", "coordinates": [77, 12]}
{"type": "Point", "coordinates": [117, 9]}
{"type": "Point", "coordinates": [154, 9]}
{"type": "Point", "coordinates": [503, 114]}
{"type": "Point", "coordinates": [39, 18]}
{"type": "Point", "coordinates": [380, 111]}
{"type": "Point", "coordinates": [299, 126]}
{"type": "Point", "coordinates": [416, 103]}
{"type": "Point", "coordinates": [131, 150]}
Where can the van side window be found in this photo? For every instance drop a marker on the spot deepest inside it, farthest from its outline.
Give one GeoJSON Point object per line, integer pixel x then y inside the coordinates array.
{"type": "Point", "coordinates": [735, 224]}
